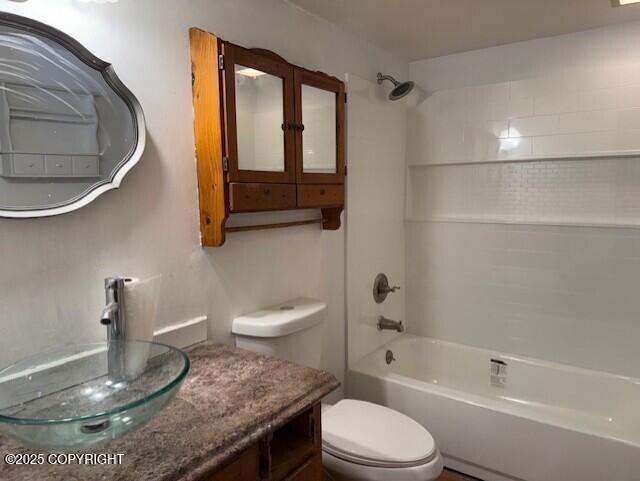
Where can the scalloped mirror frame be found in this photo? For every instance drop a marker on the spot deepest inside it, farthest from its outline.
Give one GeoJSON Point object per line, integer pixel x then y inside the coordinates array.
{"type": "Point", "coordinates": [108, 73]}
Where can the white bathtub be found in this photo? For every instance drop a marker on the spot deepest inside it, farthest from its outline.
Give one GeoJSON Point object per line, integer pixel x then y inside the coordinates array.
{"type": "Point", "coordinates": [550, 422]}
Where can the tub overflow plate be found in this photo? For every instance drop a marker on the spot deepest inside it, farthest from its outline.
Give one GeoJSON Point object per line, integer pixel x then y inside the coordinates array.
{"type": "Point", "coordinates": [389, 356]}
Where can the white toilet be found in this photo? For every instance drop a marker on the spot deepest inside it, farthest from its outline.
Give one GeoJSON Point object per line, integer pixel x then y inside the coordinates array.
{"type": "Point", "coordinates": [361, 441]}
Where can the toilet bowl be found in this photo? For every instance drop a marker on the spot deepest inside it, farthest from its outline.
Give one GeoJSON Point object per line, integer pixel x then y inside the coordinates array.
{"type": "Point", "coordinates": [361, 441]}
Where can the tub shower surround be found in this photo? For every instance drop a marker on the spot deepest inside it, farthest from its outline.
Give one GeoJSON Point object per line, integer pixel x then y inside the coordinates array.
{"type": "Point", "coordinates": [523, 223]}
{"type": "Point", "coordinates": [543, 418]}
{"type": "Point", "coordinates": [570, 96]}
{"type": "Point", "coordinates": [523, 237]}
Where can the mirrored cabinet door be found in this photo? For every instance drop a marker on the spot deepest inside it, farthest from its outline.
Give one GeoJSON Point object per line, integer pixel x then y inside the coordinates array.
{"type": "Point", "coordinates": [320, 130]}
{"type": "Point", "coordinates": [259, 125]}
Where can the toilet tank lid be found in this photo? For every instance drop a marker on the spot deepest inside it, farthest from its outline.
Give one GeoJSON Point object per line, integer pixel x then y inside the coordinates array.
{"type": "Point", "coordinates": [282, 319]}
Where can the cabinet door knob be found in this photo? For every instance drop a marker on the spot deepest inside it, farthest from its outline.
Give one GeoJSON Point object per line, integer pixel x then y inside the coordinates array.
{"type": "Point", "coordinates": [267, 191]}
{"type": "Point", "coordinates": [322, 191]}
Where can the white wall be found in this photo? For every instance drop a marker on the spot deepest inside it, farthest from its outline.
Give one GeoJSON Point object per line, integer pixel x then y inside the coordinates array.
{"type": "Point", "coordinates": [506, 251]}
{"type": "Point", "coordinates": [375, 211]}
{"type": "Point", "coordinates": [52, 269]}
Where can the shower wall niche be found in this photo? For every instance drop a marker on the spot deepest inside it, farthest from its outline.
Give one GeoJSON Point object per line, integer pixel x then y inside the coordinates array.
{"type": "Point", "coordinates": [523, 199]}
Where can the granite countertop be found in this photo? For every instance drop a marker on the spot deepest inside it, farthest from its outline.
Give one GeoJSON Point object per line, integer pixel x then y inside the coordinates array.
{"type": "Point", "coordinates": [230, 399]}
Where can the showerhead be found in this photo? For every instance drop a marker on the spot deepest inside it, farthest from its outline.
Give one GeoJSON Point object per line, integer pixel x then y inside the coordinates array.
{"type": "Point", "coordinates": [400, 89]}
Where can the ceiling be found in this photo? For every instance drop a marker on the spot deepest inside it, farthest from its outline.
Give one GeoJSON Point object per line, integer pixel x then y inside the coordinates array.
{"type": "Point", "coordinates": [418, 29]}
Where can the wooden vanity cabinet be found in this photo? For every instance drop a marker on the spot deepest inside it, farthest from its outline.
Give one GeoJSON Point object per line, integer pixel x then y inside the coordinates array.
{"type": "Point", "coordinates": [269, 136]}
{"type": "Point", "coordinates": [291, 453]}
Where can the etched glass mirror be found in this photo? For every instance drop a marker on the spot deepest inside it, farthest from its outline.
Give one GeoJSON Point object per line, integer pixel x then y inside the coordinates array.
{"type": "Point", "coordinates": [69, 129]}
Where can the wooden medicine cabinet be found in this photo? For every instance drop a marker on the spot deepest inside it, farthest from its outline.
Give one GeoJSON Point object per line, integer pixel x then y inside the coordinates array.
{"type": "Point", "coordinates": [269, 136]}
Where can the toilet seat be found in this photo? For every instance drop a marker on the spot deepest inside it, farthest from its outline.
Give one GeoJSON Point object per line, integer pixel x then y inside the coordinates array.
{"type": "Point", "coordinates": [341, 470]}
{"type": "Point", "coordinates": [371, 435]}
{"type": "Point", "coordinates": [373, 463]}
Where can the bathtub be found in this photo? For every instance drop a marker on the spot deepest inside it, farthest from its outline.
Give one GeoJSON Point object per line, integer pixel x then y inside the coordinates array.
{"type": "Point", "coordinates": [533, 420]}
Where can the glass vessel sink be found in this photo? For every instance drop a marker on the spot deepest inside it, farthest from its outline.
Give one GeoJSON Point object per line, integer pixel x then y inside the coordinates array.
{"type": "Point", "coordinates": [75, 397]}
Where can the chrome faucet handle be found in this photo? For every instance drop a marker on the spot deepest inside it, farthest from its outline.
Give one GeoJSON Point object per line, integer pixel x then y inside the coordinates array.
{"type": "Point", "coordinates": [381, 288]}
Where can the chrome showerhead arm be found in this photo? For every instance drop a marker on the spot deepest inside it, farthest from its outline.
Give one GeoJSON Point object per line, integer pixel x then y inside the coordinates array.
{"type": "Point", "coordinates": [382, 78]}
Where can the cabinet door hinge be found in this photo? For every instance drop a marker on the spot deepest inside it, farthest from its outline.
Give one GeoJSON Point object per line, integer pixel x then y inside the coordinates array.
{"type": "Point", "coordinates": [221, 62]}
{"type": "Point", "coordinates": [225, 164]}
{"type": "Point", "coordinates": [345, 97]}
{"type": "Point", "coordinates": [345, 170]}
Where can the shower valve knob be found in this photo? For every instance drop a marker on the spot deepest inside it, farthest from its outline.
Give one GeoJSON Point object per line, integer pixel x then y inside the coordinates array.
{"type": "Point", "coordinates": [381, 288]}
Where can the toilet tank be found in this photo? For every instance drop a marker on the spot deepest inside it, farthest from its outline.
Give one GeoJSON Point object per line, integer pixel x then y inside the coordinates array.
{"type": "Point", "coordinates": [291, 330]}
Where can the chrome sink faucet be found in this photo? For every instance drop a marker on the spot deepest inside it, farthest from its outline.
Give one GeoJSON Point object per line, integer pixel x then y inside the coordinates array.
{"type": "Point", "coordinates": [389, 325]}
{"type": "Point", "coordinates": [114, 317]}
{"type": "Point", "coordinates": [113, 314]}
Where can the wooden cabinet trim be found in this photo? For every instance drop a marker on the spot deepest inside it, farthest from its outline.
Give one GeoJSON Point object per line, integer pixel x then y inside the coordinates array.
{"type": "Point", "coordinates": [291, 453]}
{"type": "Point", "coordinates": [216, 136]}
{"type": "Point", "coordinates": [236, 55]}
{"type": "Point", "coordinates": [212, 185]}
{"type": "Point", "coordinates": [245, 467]}
{"type": "Point", "coordinates": [321, 81]}
{"type": "Point", "coordinates": [319, 195]}
{"type": "Point", "coordinates": [256, 197]}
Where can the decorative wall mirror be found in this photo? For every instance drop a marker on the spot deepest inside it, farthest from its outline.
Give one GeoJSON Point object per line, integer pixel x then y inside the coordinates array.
{"type": "Point", "coordinates": [69, 129]}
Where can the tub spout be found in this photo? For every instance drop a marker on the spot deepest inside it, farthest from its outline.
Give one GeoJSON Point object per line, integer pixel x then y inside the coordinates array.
{"type": "Point", "coordinates": [389, 324]}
